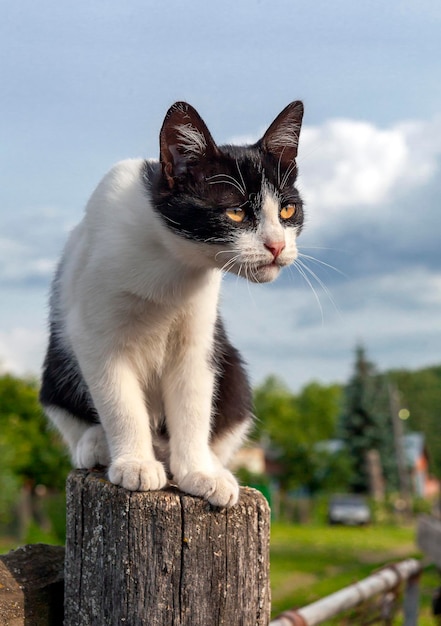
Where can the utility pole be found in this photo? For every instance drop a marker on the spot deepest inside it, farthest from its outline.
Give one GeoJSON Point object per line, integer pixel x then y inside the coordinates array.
{"type": "Point", "coordinates": [397, 425]}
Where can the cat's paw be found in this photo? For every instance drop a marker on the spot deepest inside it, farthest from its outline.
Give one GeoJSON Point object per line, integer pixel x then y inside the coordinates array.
{"type": "Point", "coordinates": [92, 448]}
{"type": "Point", "coordinates": [220, 489]}
{"type": "Point", "coordinates": [137, 475]}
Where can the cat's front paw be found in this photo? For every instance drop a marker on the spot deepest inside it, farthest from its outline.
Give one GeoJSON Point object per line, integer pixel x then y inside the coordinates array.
{"type": "Point", "coordinates": [220, 489]}
{"type": "Point", "coordinates": [137, 475]}
{"type": "Point", "coordinates": [92, 448]}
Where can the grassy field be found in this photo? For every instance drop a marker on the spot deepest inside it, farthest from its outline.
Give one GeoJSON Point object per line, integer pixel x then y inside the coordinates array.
{"type": "Point", "coordinates": [309, 562]}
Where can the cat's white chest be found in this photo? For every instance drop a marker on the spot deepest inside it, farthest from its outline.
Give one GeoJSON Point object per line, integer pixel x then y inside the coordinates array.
{"type": "Point", "coordinates": [156, 335]}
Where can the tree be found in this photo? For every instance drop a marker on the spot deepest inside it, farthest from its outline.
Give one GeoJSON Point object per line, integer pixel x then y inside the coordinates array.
{"type": "Point", "coordinates": [37, 453]}
{"type": "Point", "coordinates": [365, 423]}
{"type": "Point", "coordinates": [293, 424]}
{"type": "Point", "coordinates": [31, 453]}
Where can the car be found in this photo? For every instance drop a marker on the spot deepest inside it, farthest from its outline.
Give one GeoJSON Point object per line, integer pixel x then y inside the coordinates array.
{"type": "Point", "coordinates": [350, 509]}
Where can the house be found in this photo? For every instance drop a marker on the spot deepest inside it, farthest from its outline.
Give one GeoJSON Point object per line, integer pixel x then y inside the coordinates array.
{"type": "Point", "coordinates": [251, 458]}
{"type": "Point", "coordinates": [423, 485]}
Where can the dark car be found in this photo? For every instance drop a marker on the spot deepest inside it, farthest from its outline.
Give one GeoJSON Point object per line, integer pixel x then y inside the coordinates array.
{"type": "Point", "coordinates": [351, 510]}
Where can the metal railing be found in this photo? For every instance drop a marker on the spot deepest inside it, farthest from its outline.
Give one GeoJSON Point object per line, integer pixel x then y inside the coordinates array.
{"type": "Point", "coordinates": [387, 580]}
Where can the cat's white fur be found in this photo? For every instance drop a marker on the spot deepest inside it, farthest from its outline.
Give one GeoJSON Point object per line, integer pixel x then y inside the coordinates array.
{"type": "Point", "coordinates": [137, 305]}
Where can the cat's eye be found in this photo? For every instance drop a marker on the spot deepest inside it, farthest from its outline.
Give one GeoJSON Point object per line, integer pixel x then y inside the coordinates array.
{"type": "Point", "coordinates": [237, 215]}
{"type": "Point", "coordinates": [287, 211]}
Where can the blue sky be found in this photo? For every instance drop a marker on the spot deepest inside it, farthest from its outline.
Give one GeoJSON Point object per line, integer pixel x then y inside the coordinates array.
{"type": "Point", "coordinates": [87, 84]}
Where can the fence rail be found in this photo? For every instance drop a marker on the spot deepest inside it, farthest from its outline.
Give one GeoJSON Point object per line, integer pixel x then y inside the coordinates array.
{"type": "Point", "coordinates": [387, 579]}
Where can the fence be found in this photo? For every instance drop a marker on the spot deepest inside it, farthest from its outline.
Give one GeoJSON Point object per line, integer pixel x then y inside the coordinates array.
{"type": "Point", "coordinates": [386, 580]}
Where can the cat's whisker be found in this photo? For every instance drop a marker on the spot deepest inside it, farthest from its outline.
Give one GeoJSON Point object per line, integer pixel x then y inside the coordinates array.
{"type": "Point", "coordinates": [278, 165]}
{"type": "Point", "coordinates": [320, 282]}
{"type": "Point", "coordinates": [241, 177]}
{"type": "Point", "coordinates": [288, 173]}
{"type": "Point", "coordinates": [302, 273]}
{"type": "Point", "coordinates": [237, 251]}
{"type": "Point", "coordinates": [169, 219]}
{"type": "Point", "coordinates": [322, 248]}
{"type": "Point", "coordinates": [227, 180]}
{"type": "Point", "coordinates": [320, 262]}
{"type": "Point", "coordinates": [230, 263]}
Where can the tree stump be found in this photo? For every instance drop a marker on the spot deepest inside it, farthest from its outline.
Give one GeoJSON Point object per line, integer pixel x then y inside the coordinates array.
{"type": "Point", "coordinates": [31, 586]}
{"type": "Point", "coordinates": [163, 558]}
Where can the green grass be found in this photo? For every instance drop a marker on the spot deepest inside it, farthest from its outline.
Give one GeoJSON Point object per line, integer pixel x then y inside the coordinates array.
{"type": "Point", "coordinates": [310, 562]}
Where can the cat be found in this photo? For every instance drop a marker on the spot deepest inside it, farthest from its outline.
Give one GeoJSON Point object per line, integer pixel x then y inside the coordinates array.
{"type": "Point", "coordinates": [139, 374]}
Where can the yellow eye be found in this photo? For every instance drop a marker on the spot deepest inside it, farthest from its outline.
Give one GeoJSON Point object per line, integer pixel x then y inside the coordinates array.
{"type": "Point", "coordinates": [287, 211]}
{"type": "Point", "coordinates": [237, 215]}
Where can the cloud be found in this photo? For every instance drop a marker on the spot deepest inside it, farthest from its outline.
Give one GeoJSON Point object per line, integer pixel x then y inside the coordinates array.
{"type": "Point", "coordinates": [347, 163]}
{"type": "Point", "coordinates": [355, 173]}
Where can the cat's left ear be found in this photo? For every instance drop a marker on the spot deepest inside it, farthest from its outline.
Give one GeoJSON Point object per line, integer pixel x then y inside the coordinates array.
{"type": "Point", "coordinates": [184, 141]}
{"type": "Point", "coordinates": [282, 138]}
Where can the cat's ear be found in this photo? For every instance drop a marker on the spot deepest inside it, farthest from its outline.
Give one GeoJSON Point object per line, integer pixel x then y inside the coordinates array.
{"type": "Point", "coordinates": [184, 141]}
{"type": "Point", "coordinates": [282, 137]}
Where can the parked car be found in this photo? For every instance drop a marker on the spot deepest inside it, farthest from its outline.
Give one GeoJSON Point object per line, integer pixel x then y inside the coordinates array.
{"type": "Point", "coordinates": [350, 509]}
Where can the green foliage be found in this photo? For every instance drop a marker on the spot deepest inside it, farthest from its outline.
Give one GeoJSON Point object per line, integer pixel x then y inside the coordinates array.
{"type": "Point", "coordinates": [333, 470]}
{"type": "Point", "coordinates": [31, 455]}
{"type": "Point", "coordinates": [10, 483]}
{"type": "Point", "coordinates": [35, 453]}
{"type": "Point", "coordinates": [421, 393]}
{"type": "Point", "coordinates": [291, 425]}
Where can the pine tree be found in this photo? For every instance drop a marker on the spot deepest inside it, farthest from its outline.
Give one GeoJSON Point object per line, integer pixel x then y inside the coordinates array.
{"type": "Point", "coordinates": [365, 423]}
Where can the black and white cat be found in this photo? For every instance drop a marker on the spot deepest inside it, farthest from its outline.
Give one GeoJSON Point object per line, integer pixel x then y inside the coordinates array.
{"type": "Point", "coordinates": [139, 374]}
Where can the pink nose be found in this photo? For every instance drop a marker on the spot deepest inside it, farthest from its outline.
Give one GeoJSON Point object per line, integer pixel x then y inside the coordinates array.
{"type": "Point", "coordinates": [275, 247]}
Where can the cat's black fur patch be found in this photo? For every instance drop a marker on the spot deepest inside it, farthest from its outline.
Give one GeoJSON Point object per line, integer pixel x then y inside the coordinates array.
{"type": "Point", "coordinates": [195, 206]}
{"type": "Point", "coordinates": [233, 401]}
{"type": "Point", "coordinates": [62, 383]}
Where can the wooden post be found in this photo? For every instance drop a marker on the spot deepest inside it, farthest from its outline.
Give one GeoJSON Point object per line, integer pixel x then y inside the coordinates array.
{"type": "Point", "coordinates": [163, 558]}
{"type": "Point", "coordinates": [429, 538]}
{"type": "Point", "coordinates": [31, 586]}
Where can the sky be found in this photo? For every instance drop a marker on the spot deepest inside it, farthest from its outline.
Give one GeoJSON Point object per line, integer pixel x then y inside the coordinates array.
{"type": "Point", "coordinates": [84, 85]}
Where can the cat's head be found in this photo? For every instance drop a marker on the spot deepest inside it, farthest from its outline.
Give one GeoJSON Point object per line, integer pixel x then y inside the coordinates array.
{"type": "Point", "coordinates": [239, 204]}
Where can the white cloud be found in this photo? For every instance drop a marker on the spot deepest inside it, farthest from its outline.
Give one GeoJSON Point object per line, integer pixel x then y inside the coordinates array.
{"type": "Point", "coordinates": [347, 164]}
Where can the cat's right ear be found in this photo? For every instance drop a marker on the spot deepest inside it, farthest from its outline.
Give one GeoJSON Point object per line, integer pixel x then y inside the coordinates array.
{"type": "Point", "coordinates": [282, 137]}
{"type": "Point", "coordinates": [184, 141]}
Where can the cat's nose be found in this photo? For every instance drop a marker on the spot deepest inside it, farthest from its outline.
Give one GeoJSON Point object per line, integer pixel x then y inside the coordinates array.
{"type": "Point", "coordinates": [275, 247]}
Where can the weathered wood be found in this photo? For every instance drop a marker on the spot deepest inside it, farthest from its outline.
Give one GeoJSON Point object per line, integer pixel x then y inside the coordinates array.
{"type": "Point", "coordinates": [163, 558]}
{"type": "Point", "coordinates": [31, 586]}
{"type": "Point", "coordinates": [429, 538]}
